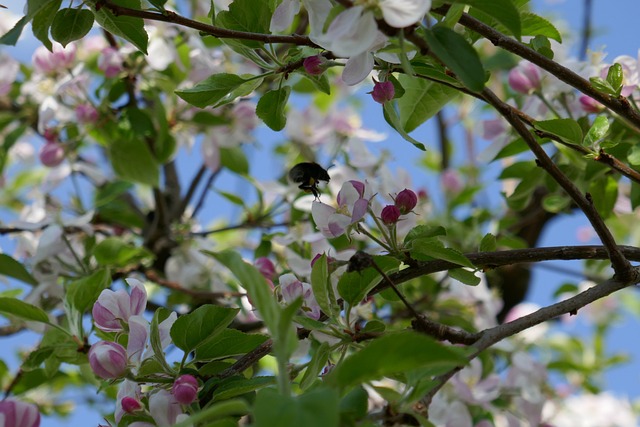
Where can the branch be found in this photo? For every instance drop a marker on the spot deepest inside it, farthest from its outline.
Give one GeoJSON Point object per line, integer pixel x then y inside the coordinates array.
{"type": "Point", "coordinates": [619, 263]}
{"type": "Point", "coordinates": [221, 33]}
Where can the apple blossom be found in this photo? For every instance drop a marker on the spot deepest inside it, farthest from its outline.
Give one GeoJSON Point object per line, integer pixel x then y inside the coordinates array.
{"type": "Point", "coordinates": [108, 359]}
{"type": "Point", "coordinates": [524, 78]}
{"type": "Point", "coordinates": [113, 309]}
{"type": "Point", "coordinates": [314, 65]}
{"type": "Point", "coordinates": [16, 413]}
{"type": "Point", "coordinates": [131, 391]}
{"type": "Point", "coordinates": [164, 408]}
{"type": "Point", "coordinates": [61, 58]}
{"type": "Point", "coordinates": [51, 154]}
{"type": "Point", "coordinates": [9, 68]}
{"type": "Point", "coordinates": [86, 113]}
{"type": "Point", "coordinates": [406, 201]}
{"type": "Point", "coordinates": [352, 206]}
{"type": "Point", "coordinates": [291, 288]}
{"type": "Point", "coordinates": [131, 405]}
{"type": "Point", "coordinates": [589, 104]}
{"type": "Point", "coordinates": [266, 267]}
{"type": "Point", "coordinates": [283, 15]}
{"type": "Point", "coordinates": [185, 389]}
{"type": "Point", "coordinates": [383, 92]}
{"type": "Point", "coordinates": [390, 214]}
{"type": "Point", "coordinates": [111, 62]}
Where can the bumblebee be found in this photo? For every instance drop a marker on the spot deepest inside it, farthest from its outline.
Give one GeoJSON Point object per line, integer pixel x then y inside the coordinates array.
{"type": "Point", "coordinates": [308, 175]}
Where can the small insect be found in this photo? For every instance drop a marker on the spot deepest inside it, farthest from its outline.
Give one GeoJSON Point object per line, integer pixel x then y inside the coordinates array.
{"type": "Point", "coordinates": [308, 175]}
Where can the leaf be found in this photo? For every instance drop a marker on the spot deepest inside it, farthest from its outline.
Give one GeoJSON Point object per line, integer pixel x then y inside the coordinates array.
{"type": "Point", "coordinates": [321, 285]}
{"type": "Point", "coordinates": [71, 24]}
{"type": "Point", "coordinates": [391, 116]}
{"type": "Point", "coordinates": [132, 160]}
{"type": "Point", "coordinates": [201, 325]}
{"type": "Point", "coordinates": [597, 132]}
{"type": "Point", "coordinates": [555, 203]}
{"type": "Point", "coordinates": [23, 310]}
{"type": "Point", "coordinates": [35, 8]}
{"type": "Point", "coordinates": [502, 11]}
{"type": "Point", "coordinates": [535, 25]}
{"type": "Point", "coordinates": [464, 276]}
{"type": "Point", "coordinates": [615, 77]}
{"type": "Point", "coordinates": [84, 292]}
{"type": "Point", "coordinates": [424, 231]}
{"type": "Point", "coordinates": [236, 386]}
{"type": "Point", "coordinates": [160, 315]}
{"type": "Point", "coordinates": [42, 22]}
{"type": "Point", "coordinates": [393, 353]}
{"type": "Point", "coordinates": [114, 251]}
{"type": "Point", "coordinates": [435, 249]}
{"type": "Point", "coordinates": [250, 278]}
{"type": "Point", "coordinates": [246, 15]}
{"type": "Point", "coordinates": [127, 27]}
{"type": "Point", "coordinates": [566, 130]}
{"type": "Point", "coordinates": [604, 193]}
{"type": "Point", "coordinates": [228, 343]}
{"type": "Point", "coordinates": [221, 409]}
{"type": "Point", "coordinates": [354, 286]}
{"type": "Point", "coordinates": [457, 54]}
{"type": "Point", "coordinates": [11, 37]}
{"type": "Point", "coordinates": [316, 408]}
{"type": "Point", "coordinates": [11, 268]}
{"type": "Point", "coordinates": [421, 101]}
{"type": "Point", "coordinates": [211, 90]}
{"type": "Point", "coordinates": [271, 108]}
{"type": "Point", "coordinates": [234, 159]}
{"type": "Point", "coordinates": [488, 243]}
{"type": "Point", "coordinates": [316, 365]}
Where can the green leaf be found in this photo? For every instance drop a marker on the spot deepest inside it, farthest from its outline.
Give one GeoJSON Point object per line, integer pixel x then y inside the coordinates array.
{"type": "Point", "coordinates": [316, 364]}
{"type": "Point", "coordinates": [421, 101]}
{"type": "Point", "coordinates": [42, 22]}
{"type": "Point", "coordinates": [454, 50]}
{"type": "Point", "coordinates": [113, 251]}
{"type": "Point", "coordinates": [234, 159]}
{"type": "Point", "coordinates": [502, 11]}
{"type": "Point", "coordinates": [83, 293]}
{"type": "Point", "coordinates": [11, 268]}
{"type": "Point", "coordinates": [542, 45]}
{"type": "Point", "coordinates": [321, 285]}
{"type": "Point", "coordinates": [271, 108]}
{"type": "Point", "coordinates": [127, 27]}
{"type": "Point", "coordinates": [488, 243]}
{"type": "Point", "coordinates": [11, 37]}
{"type": "Point", "coordinates": [228, 343]}
{"type": "Point", "coordinates": [211, 90]}
{"type": "Point", "coordinates": [555, 203]}
{"type": "Point", "coordinates": [354, 286]}
{"type": "Point", "coordinates": [192, 330]}
{"type": "Point", "coordinates": [23, 310]}
{"type": "Point", "coordinates": [435, 249]}
{"type": "Point", "coordinates": [160, 315]}
{"type": "Point", "coordinates": [597, 132]}
{"type": "Point", "coordinates": [234, 407]}
{"type": "Point", "coordinates": [35, 8]}
{"type": "Point", "coordinates": [604, 193]}
{"type": "Point", "coordinates": [391, 116]}
{"type": "Point", "coordinates": [236, 386]}
{"type": "Point", "coordinates": [633, 157]}
{"type": "Point", "coordinates": [535, 25]}
{"type": "Point", "coordinates": [353, 406]}
{"type": "Point", "coordinates": [424, 231]}
{"type": "Point", "coordinates": [246, 15]}
{"type": "Point", "coordinates": [71, 24]}
{"type": "Point", "coordinates": [132, 160]}
{"type": "Point", "coordinates": [615, 77]}
{"type": "Point", "coordinates": [393, 353]}
{"type": "Point", "coordinates": [316, 408]}
{"type": "Point", "coordinates": [255, 284]}
{"type": "Point", "coordinates": [464, 276]}
{"type": "Point", "coordinates": [602, 85]}
{"type": "Point", "coordinates": [566, 130]}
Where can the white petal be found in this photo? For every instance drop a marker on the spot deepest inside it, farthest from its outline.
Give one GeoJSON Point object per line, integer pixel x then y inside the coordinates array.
{"type": "Point", "coordinates": [357, 68]}
{"type": "Point", "coordinates": [402, 13]}
{"type": "Point", "coordinates": [283, 15]}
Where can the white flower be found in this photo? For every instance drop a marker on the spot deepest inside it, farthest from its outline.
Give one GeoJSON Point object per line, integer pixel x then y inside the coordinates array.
{"type": "Point", "coordinates": [402, 13]}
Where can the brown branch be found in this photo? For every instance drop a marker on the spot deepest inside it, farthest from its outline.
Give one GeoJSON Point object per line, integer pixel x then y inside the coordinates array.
{"type": "Point", "coordinates": [211, 30]}
{"type": "Point", "coordinates": [619, 263]}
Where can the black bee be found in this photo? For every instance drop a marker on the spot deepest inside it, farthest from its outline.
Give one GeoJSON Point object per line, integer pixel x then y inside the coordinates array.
{"type": "Point", "coordinates": [308, 175]}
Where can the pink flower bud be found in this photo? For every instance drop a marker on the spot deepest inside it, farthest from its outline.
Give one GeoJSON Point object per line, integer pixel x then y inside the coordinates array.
{"type": "Point", "coordinates": [406, 200]}
{"type": "Point", "coordinates": [16, 413]}
{"type": "Point", "coordinates": [525, 78]}
{"type": "Point", "coordinates": [51, 154]}
{"type": "Point", "coordinates": [86, 113]}
{"type": "Point", "coordinates": [185, 389]}
{"type": "Point", "coordinates": [130, 404]}
{"type": "Point", "coordinates": [390, 214]}
{"type": "Point", "coordinates": [589, 104]}
{"type": "Point", "coordinates": [110, 62]}
{"type": "Point", "coordinates": [266, 267]}
{"type": "Point", "coordinates": [314, 65]}
{"type": "Point", "coordinates": [108, 359]}
{"type": "Point", "coordinates": [451, 181]}
{"type": "Point", "coordinates": [383, 92]}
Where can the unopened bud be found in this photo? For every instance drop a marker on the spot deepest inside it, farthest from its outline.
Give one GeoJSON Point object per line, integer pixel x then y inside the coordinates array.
{"type": "Point", "coordinates": [406, 201]}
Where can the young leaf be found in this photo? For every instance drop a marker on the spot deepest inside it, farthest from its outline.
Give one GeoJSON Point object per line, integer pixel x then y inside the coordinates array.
{"type": "Point", "coordinates": [321, 285]}
{"type": "Point", "coordinates": [597, 132]}
{"type": "Point", "coordinates": [83, 293]}
{"type": "Point", "coordinates": [615, 77]}
{"type": "Point", "coordinates": [421, 101]}
{"type": "Point", "coordinates": [315, 366]}
{"type": "Point", "coordinates": [464, 276]}
{"type": "Point", "coordinates": [393, 353]}
{"type": "Point", "coordinates": [488, 243]}
{"type": "Point", "coordinates": [71, 24]}
{"type": "Point", "coordinates": [391, 116]}
{"type": "Point", "coordinates": [354, 286]}
{"type": "Point", "coordinates": [434, 249]}
{"type": "Point", "coordinates": [200, 326]}
{"type": "Point", "coordinates": [458, 55]}
{"type": "Point", "coordinates": [271, 108]}
{"type": "Point", "coordinates": [234, 159]}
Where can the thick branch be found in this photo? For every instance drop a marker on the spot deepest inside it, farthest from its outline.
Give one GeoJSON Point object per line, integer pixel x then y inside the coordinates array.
{"type": "Point", "coordinates": [620, 264]}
